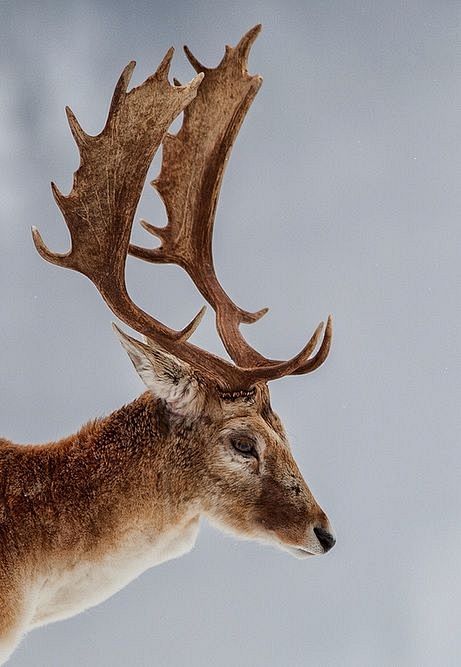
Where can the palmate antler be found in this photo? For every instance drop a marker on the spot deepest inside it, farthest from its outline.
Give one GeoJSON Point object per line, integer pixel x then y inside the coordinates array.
{"type": "Point", "coordinates": [100, 208]}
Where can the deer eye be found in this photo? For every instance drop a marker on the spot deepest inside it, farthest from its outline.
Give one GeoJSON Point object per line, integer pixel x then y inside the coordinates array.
{"type": "Point", "coordinates": [245, 447]}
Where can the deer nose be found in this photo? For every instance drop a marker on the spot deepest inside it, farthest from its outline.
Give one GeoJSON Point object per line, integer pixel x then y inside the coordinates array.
{"type": "Point", "coordinates": [326, 539]}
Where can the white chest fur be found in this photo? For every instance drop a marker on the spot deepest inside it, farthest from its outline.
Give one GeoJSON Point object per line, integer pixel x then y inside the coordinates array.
{"type": "Point", "coordinates": [69, 591]}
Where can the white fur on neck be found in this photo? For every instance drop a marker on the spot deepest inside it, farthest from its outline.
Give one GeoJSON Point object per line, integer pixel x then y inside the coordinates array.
{"type": "Point", "coordinates": [67, 591]}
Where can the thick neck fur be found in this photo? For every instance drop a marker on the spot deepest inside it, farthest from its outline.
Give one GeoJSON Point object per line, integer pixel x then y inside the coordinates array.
{"type": "Point", "coordinates": [136, 468]}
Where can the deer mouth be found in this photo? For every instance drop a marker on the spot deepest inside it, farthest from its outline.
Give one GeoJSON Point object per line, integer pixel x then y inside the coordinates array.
{"type": "Point", "coordinates": [299, 552]}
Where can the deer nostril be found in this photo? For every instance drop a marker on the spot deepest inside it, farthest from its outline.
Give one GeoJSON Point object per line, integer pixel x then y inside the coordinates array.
{"type": "Point", "coordinates": [325, 538]}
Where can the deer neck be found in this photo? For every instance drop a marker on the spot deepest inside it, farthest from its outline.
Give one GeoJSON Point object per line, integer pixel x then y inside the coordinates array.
{"type": "Point", "coordinates": [143, 457]}
{"type": "Point", "coordinates": [132, 473]}
{"type": "Point", "coordinates": [128, 499]}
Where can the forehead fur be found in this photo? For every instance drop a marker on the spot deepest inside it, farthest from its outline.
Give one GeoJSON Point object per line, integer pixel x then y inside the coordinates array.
{"type": "Point", "coordinates": [246, 406]}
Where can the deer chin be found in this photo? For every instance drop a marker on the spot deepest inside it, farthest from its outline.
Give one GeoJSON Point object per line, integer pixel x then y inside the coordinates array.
{"type": "Point", "coordinates": [262, 536]}
{"type": "Point", "coordinates": [301, 551]}
{"type": "Point", "coordinates": [298, 552]}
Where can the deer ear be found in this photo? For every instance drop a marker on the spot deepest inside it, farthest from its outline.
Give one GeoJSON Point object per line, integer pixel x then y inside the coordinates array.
{"type": "Point", "coordinates": [167, 377]}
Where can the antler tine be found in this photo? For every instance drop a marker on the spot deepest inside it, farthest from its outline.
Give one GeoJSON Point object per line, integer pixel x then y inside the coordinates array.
{"type": "Point", "coordinates": [196, 64]}
{"type": "Point", "coordinates": [244, 46]}
{"type": "Point", "coordinates": [193, 165]}
{"type": "Point", "coordinates": [322, 353]}
{"type": "Point", "coordinates": [290, 367]}
{"type": "Point", "coordinates": [193, 325]}
{"type": "Point", "coordinates": [163, 69]}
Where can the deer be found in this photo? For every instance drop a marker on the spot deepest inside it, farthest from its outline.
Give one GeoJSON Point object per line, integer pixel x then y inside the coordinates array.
{"type": "Point", "coordinates": [82, 517]}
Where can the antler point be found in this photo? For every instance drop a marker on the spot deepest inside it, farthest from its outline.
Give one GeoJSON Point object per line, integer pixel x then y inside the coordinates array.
{"type": "Point", "coordinates": [164, 67]}
{"type": "Point", "coordinates": [196, 64]}
{"type": "Point", "coordinates": [192, 326]}
{"type": "Point", "coordinates": [78, 133]}
{"type": "Point", "coordinates": [254, 317]}
{"type": "Point", "coordinates": [37, 237]}
{"type": "Point", "coordinates": [121, 87]}
{"type": "Point", "coordinates": [57, 194]}
{"type": "Point", "coordinates": [128, 70]}
{"type": "Point", "coordinates": [246, 42]}
{"type": "Point", "coordinates": [45, 252]}
{"type": "Point", "coordinates": [116, 328]}
{"type": "Point", "coordinates": [152, 229]}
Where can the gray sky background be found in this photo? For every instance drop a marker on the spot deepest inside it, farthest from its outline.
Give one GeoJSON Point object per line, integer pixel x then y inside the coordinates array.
{"type": "Point", "coordinates": [343, 195]}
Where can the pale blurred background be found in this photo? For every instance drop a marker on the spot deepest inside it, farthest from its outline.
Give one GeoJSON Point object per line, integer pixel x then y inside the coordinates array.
{"type": "Point", "coordinates": [343, 195]}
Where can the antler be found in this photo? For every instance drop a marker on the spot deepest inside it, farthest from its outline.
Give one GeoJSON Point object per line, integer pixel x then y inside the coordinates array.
{"type": "Point", "coordinates": [193, 166]}
{"type": "Point", "coordinates": [100, 208]}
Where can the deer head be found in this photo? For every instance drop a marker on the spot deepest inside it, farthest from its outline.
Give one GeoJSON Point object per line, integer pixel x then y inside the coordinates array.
{"type": "Point", "coordinates": [243, 470]}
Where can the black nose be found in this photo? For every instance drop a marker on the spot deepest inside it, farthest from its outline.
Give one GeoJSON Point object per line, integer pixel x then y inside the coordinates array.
{"type": "Point", "coordinates": [325, 538]}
